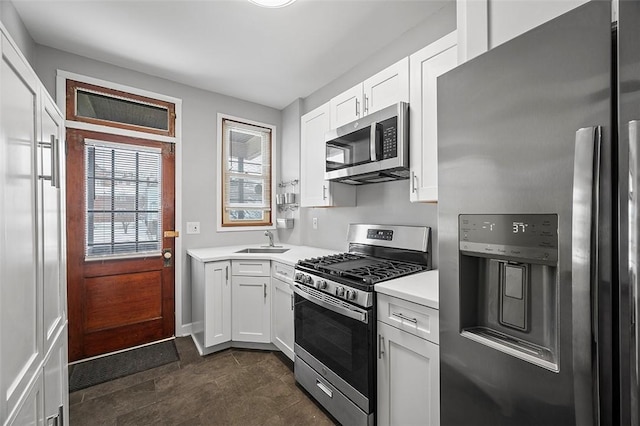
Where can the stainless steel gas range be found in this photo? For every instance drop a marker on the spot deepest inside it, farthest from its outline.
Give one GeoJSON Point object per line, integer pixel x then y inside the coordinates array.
{"type": "Point", "coordinates": [335, 315]}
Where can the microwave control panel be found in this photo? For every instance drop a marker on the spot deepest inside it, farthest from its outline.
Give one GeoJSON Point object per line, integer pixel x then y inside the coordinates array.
{"type": "Point", "coordinates": [389, 138]}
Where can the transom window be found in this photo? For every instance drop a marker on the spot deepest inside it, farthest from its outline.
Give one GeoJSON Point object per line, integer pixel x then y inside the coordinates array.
{"type": "Point", "coordinates": [123, 193]}
{"type": "Point", "coordinates": [99, 105]}
{"type": "Point", "coordinates": [246, 174]}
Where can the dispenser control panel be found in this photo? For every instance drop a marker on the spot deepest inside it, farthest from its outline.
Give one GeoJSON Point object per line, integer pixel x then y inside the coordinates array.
{"type": "Point", "coordinates": [532, 237]}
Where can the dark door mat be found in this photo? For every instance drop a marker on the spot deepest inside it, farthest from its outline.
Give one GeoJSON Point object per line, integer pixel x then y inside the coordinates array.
{"type": "Point", "coordinates": [100, 370]}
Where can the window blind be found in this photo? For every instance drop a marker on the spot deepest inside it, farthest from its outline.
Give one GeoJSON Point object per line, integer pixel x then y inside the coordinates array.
{"type": "Point", "coordinates": [123, 199]}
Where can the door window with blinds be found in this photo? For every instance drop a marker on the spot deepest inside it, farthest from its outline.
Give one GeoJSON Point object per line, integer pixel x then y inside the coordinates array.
{"type": "Point", "coordinates": [246, 174]}
{"type": "Point", "coordinates": [123, 193]}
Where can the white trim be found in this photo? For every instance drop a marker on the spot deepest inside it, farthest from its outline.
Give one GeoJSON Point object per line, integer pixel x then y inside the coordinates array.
{"type": "Point", "coordinates": [473, 28]}
{"type": "Point", "coordinates": [272, 127]}
{"type": "Point", "coordinates": [61, 95]}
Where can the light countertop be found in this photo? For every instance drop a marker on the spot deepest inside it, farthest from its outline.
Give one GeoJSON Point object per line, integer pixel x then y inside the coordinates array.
{"type": "Point", "coordinates": [419, 288]}
{"type": "Point", "coordinates": [289, 257]}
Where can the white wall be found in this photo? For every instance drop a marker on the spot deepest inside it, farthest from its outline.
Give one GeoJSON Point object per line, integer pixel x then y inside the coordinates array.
{"type": "Point", "coordinates": [289, 168]}
{"type": "Point", "coordinates": [199, 111]}
{"type": "Point", "coordinates": [12, 22]}
{"type": "Point", "coordinates": [508, 18]}
{"type": "Point", "coordinates": [379, 203]}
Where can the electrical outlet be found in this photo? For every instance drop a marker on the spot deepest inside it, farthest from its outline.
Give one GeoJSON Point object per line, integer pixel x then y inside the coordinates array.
{"type": "Point", "coordinates": [315, 223]}
{"type": "Point", "coordinates": [193, 227]}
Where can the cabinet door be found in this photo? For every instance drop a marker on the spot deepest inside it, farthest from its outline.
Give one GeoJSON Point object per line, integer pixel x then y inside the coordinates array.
{"type": "Point", "coordinates": [282, 316]}
{"type": "Point", "coordinates": [425, 67]}
{"type": "Point", "coordinates": [387, 87]}
{"type": "Point", "coordinates": [251, 309]}
{"type": "Point", "coordinates": [217, 303]}
{"type": "Point", "coordinates": [50, 145]}
{"type": "Point", "coordinates": [314, 190]}
{"type": "Point", "coordinates": [20, 290]}
{"type": "Point", "coordinates": [346, 107]}
{"type": "Point", "coordinates": [56, 382]}
{"type": "Point", "coordinates": [30, 410]}
{"type": "Point", "coordinates": [408, 379]}
{"type": "Point", "coordinates": [313, 187]}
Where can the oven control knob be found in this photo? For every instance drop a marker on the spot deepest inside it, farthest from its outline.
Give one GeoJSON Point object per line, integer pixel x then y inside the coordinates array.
{"type": "Point", "coordinates": [307, 279]}
{"type": "Point", "coordinates": [340, 291]}
{"type": "Point", "coordinates": [298, 276]}
{"type": "Point", "coordinates": [351, 295]}
{"type": "Point", "coordinates": [321, 284]}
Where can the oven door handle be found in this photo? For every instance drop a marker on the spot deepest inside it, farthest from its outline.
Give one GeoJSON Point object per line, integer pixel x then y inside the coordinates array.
{"type": "Point", "coordinates": [352, 313]}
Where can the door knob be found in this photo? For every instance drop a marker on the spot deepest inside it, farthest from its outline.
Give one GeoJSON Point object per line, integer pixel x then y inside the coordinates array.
{"type": "Point", "coordinates": [167, 257]}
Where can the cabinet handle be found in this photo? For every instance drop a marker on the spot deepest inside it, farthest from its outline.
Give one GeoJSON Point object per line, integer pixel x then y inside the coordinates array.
{"type": "Point", "coordinates": [264, 286]}
{"type": "Point", "coordinates": [324, 192]}
{"type": "Point", "coordinates": [404, 317]}
{"type": "Point", "coordinates": [53, 177]}
{"type": "Point", "coordinates": [380, 346]}
{"type": "Point", "coordinates": [366, 105]}
{"type": "Point", "coordinates": [292, 301]}
{"type": "Point", "coordinates": [226, 273]}
{"type": "Point", "coordinates": [413, 182]}
{"type": "Point", "coordinates": [357, 108]}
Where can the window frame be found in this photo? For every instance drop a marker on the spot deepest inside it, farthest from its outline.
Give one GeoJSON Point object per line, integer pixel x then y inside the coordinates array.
{"type": "Point", "coordinates": [89, 206]}
{"type": "Point", "coordinates": [221, 160]}
{"type": "Point", "coordinates": [72, 87]}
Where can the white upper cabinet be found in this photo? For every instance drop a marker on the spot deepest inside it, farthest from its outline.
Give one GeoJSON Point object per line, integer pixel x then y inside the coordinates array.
{"type": "Point", "coordinates": [387, 87]}
{"type": "Point", "coordinates": [425, 67]}
{"type": "Point", "coordinates": [315, 191]}
{"type": "Point", "coordinates": [347, 106]}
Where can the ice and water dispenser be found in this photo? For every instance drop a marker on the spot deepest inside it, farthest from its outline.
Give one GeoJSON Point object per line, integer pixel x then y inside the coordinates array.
{"type": "Point", "coordinates": [509, 284]}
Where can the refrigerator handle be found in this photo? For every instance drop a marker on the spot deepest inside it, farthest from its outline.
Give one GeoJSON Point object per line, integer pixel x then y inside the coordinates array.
{"type": "Point", "coordinates": [584, 260]}
{"type": "Point", "coordinates": [633, 229]}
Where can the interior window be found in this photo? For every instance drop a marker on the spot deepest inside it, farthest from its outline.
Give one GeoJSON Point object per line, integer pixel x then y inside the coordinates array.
{"type": "Point", "coordinates": [246, 174]}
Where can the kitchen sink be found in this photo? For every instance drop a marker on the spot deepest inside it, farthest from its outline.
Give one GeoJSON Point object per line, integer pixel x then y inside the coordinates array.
{"type": "Point", "coordinates": [264, 250]}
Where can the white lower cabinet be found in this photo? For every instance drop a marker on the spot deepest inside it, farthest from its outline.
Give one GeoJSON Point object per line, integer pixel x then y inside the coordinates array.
{"type": "Point", "coordinates": [282, 309]}
{"type": "Point", "coordinates": [251, 309]}
{"type": "Point", "coordinates": [210, 303]}
{"type": "Point", "coordinates": [408, 370]}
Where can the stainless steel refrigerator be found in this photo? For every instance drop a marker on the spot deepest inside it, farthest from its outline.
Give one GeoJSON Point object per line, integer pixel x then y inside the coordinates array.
{"type": "Point", "coordinates": [537, 151]}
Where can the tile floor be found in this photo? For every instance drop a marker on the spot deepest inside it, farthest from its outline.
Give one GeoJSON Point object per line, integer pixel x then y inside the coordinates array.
{"type": "Point", "coordinates": [232, 387]}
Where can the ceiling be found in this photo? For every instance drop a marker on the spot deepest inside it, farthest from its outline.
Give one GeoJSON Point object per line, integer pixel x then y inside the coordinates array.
{"type": "Point", "coordinates": [233, 47]}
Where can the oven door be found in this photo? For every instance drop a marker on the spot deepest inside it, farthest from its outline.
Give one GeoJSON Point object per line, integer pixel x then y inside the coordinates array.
{"type": "Point", "coordinates": [338, 335]}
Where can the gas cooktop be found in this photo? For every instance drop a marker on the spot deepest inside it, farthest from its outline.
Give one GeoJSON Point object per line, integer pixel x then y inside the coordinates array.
{"type": "Point", "coordinates": [362, 269]}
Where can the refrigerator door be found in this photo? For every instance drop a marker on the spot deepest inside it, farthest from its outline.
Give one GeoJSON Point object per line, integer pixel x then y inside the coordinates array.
{"type": "Point", "coordinates": [628, 65]}
{"type": "Point", "coordinates": [525, 181]}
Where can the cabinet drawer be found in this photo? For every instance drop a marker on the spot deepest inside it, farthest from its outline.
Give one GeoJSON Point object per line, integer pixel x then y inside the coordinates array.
{"type": "Point", "coordinates": [260, 268]}
{"type": "Point", "coordinates": [282, 271]}
{"type": "Point", "coordinates": [416, 319]}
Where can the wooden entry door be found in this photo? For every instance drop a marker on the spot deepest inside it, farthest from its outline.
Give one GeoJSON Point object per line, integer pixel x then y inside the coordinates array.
{"type": "Point", "coordinates": [120, 285]}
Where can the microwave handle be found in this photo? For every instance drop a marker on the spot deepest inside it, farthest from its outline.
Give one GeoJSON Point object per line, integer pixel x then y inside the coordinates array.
{"type": "Point", "coordinates": [374, 141]}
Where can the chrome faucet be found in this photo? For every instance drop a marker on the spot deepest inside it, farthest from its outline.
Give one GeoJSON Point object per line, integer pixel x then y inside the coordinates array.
{"type": "Point", "coordinates": [270, 235]}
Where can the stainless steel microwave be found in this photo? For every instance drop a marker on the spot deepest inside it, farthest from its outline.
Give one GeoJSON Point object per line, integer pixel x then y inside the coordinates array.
{"type": "Point", "coordinates": [372, 149]}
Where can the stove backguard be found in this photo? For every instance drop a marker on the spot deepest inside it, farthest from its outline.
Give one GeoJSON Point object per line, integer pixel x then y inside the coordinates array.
{"type": "Point", "coordinates": [508, 284]}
